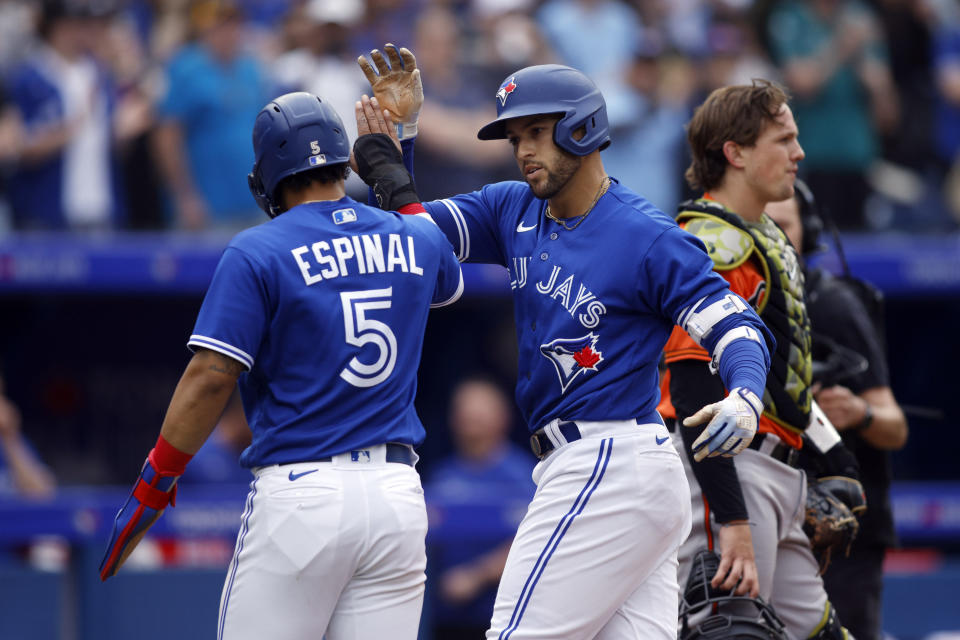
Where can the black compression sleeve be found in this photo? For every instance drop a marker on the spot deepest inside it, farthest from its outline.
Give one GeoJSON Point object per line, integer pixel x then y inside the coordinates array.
{"type": "Point", "coordinates": [380, 165]}
{"type": "Point", "coordinates": [692, 387]}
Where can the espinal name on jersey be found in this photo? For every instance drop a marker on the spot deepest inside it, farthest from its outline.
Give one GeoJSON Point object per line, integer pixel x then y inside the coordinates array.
{"type": "Point", "coordinates": [362, 254]}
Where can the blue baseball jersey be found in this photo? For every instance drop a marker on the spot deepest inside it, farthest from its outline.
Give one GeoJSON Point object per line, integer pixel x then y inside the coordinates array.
{"type": "Point", "coordinates": [593, 305]}
{"type": "Point", "coordinates": [325, 306]}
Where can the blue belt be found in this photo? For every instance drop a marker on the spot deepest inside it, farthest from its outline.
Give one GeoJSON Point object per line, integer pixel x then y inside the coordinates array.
{"type": "Point", "coordinates": [395, 453]}
{"type": "Point", "coordinates": [541, 444]}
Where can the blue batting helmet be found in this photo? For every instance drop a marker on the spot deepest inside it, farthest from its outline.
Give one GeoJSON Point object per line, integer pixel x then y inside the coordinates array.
{"type": "Point", "coordinates": [296, 132]}
{"type": "Point", "coordinates": [554, 89]}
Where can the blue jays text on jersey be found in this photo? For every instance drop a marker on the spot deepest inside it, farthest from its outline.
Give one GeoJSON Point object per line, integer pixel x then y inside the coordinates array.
{"type": "Point", "coordinates": [363, 279]}
{"type": "Point", "coordinates": [593, 305]}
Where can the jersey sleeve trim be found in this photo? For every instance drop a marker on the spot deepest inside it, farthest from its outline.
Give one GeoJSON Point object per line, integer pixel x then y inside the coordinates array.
{"type": "Point", "coordinates": [463, 253]}
{"type": "Point", "coordinates": [239, 355]}
{"type": "Point", "coordinates": [456, 295]}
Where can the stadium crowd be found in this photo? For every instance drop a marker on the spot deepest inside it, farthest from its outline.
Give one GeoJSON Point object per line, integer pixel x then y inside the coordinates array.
{"type": "Point", "coordinates": [135, 114]}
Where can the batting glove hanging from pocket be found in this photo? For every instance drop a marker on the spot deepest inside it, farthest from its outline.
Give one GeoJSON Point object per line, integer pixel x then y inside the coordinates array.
{"type": "Point", "coordinates": [155, 489]}
{"type": "Point", "coordinates": [733, 423]}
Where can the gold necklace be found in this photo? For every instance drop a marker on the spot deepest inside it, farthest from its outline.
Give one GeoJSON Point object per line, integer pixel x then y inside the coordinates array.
{"type": "Point", "coordinates": [604, 185]}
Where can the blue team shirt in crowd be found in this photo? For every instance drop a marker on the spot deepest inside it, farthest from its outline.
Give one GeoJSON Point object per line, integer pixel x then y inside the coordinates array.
{"type": "Point", "coordinates": [594, 305]}
{"type": "Point", "coordinates": [326, 306]}
{"type": "Point", "coordinates": [216, 103]}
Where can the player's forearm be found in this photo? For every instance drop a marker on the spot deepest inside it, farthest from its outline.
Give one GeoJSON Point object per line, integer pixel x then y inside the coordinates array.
{"type": "Point", "coordinates": [888, 429]}
{"type": "Point", "coordinates": [40, 145]}
{"type": "Point", "coordinates": [691, 387]}
{"type": "Point", "coordinates": [199, 400]}
{"type": "Point", "coordinates": [168, 149]}
{"type": "Point", "coordinates": [30, 476]}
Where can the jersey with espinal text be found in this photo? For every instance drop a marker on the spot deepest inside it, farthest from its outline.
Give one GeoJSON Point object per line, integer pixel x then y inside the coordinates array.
{"type": "Point", "coordinates": [325, 306]}
{"type": "Point", "coordinates": [593, 304]}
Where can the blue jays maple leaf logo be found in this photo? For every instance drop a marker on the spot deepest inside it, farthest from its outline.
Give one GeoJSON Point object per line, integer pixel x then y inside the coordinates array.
{"type": "Point", "coordinates": [572, 356]}
{"type": "Point", "coordinates": [506, 89]}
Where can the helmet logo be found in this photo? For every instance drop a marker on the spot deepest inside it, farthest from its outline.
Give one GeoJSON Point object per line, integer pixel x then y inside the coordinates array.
{"type": "Point", "coordinates": [316, 161]}
{"type": "Point", "coordinates": [506, 89]}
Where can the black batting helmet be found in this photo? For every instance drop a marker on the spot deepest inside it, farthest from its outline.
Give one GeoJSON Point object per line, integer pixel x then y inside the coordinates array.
{"type": "Point", "coordinates": [728, 616]}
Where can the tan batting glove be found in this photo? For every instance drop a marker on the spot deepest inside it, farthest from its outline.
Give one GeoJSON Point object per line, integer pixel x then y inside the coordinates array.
{"type": "Point", "coordinates": [396, 85]}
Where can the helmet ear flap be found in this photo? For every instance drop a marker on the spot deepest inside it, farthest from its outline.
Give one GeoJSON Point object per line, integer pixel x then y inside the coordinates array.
{"type": "Point", "coordinates": [259, 194]}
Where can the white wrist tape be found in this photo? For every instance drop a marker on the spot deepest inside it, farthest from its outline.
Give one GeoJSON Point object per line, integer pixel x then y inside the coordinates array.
{"type": "Point", "coordinates": [406, 130]}
{"type": "Point", "coordinates": [737, 333]}
{"type": "Point", "coordinates": [821, 431]}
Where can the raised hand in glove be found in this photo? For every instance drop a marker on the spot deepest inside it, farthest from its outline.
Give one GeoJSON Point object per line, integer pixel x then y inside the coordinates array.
{"type": "Point", "coordinates": [396, 85]}
{"type": "Point", "coordinates": [733, 423]}
{"type": "Point", "coordinates": [830, 521]}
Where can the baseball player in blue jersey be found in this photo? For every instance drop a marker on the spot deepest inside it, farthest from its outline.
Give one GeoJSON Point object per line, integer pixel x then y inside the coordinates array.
{"type": "Point", "coordinates": [599, 277]}
{"type": "Point", "coordinates": [319, 314]}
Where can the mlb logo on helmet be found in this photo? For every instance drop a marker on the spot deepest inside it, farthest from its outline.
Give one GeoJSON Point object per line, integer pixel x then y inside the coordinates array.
{"type": "Point", "coordinates": [344, 215]}
{"type": "Point", "coordinates": [506, 89]}
{"type": "Point", "coordinates": [316, 161]}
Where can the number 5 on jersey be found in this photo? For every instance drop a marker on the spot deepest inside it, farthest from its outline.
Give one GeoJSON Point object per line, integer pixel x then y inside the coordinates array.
{"type": "Point", "coordinates": [359, 330]}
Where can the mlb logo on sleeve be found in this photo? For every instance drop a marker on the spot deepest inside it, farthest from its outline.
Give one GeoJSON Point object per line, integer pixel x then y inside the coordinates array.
{"type": "Point", "coordinates": [341, 216]}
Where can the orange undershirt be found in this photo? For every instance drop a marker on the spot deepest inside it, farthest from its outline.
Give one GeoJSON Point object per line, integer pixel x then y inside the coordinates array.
{"type": "Point", "coordinates": [746, 281]}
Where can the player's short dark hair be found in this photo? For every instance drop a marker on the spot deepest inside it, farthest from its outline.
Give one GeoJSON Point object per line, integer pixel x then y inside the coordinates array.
{"type": "Point", "coordinates": [737, 113]}
{"type": "Point", "coordinates": [303, 179]}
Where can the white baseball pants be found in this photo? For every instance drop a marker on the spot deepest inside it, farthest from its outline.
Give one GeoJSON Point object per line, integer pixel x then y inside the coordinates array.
{"type": "Point", "coordinates": [333, 548]}
{"type": "Point", "coordinates": [596, 553]}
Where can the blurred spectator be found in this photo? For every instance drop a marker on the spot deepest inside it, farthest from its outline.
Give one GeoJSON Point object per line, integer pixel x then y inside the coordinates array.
{"type": "Point", "coordinates": [215, 90]}
{"type": "Point", "coordinates": [908, 26]}
{"type": "Point", "coordinates": [326, 65]}
{"type": "Point", "coordinates": [17, 19]}
{"type": "Point", "coordinates": [508, 38]}
{"type": "Point", "coordinates": [834, 59]}
{"type": "Point", "coordinates": [67, 178]}
{"type": "Point", "coordinates": [647, 154]}
{"type": "Point", "coordinates": [120, 48]}
{"type": "Point", "coordinates": [387, 21]}
{"type": "Point", "coordinates": [21, 471]}
{"type": "Point", "coordinates": [218, 460]}
{"type": "Point", "coordinates": [449, 157]}
{"type": "Point", "coordinates": [487, 468]}
{"type": "Point", "coordinates": [11, 139]}
{"type": "Point", "coordinates": [733, 56]}
{"type": "Point", "coordinates": [598, 37]}
{"type": "Point", "coordinates": [851, 375]}
{"type": "Point", "coordinates": [947, 70]}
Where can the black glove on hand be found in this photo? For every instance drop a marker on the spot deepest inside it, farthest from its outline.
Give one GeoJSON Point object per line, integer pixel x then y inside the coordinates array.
{"type": "Point", "coordinates": [380, 165]}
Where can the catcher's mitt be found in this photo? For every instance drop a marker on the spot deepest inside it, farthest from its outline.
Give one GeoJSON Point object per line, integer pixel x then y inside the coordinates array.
{"type": "Point", "coordinates": [830, 522]}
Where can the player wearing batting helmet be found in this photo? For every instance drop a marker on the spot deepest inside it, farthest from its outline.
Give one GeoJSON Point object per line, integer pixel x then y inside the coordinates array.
{"type": "Point", "coordinates": [598, 277]}
{"type": "Point", "coordinates": [319, 315]}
